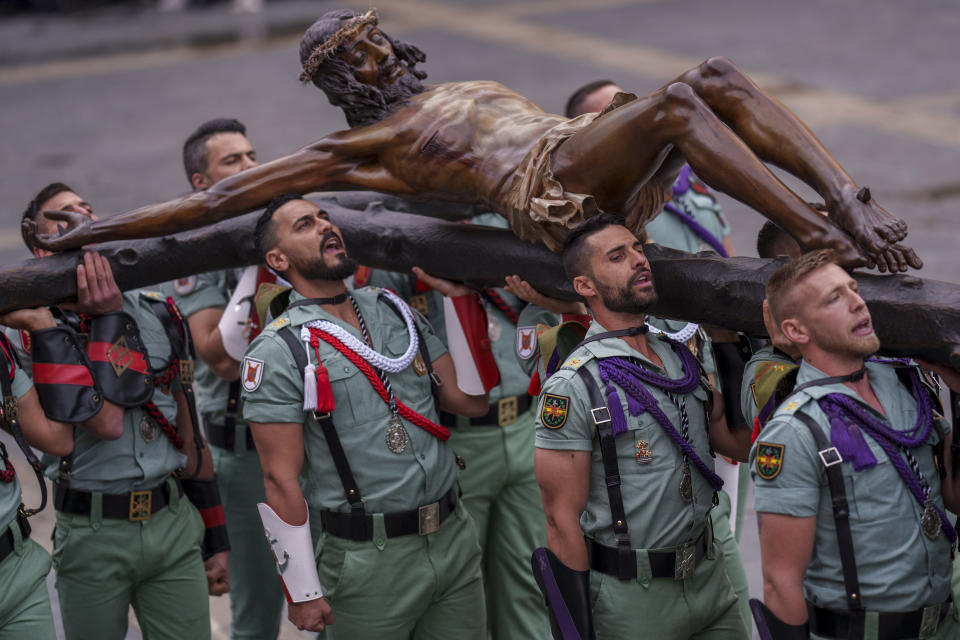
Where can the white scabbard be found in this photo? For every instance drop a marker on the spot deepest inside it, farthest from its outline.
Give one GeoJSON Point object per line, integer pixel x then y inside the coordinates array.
{"type": "Point", "coordinates": [292, 549]}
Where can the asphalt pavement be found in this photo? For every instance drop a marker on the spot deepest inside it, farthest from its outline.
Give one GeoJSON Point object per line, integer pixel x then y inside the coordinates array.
{"type": "Point", "coordinates": [103, 100]}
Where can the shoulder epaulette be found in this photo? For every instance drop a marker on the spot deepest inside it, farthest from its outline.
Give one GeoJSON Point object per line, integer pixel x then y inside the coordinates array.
{"type": "Point", "coordinates": [153, 295]}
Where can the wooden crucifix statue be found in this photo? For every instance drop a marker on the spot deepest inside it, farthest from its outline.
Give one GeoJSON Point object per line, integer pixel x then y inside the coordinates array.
{"type": "Point", "coordinates": [480, 142]}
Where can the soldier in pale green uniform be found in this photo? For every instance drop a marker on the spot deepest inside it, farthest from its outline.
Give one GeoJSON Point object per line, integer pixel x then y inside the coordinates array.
{"type": "Point", "coordinates": [106, 564]}
{"type": "Point", "coordinates": [498, 484]}
{"type": "Point", "coordinates": [398, 556]}
{"type": "Point", "coordinates": [674, 581]}
{"type": "Point", "coordinates": [901, 549]}
{"type": "Point", "coordinates": [25, 612]}
{"type": "Point", "coordinates": [217, 149]}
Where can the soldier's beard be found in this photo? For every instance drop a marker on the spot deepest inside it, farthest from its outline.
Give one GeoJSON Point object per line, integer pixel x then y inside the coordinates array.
{"type": "Point", "coordinates": [626, 299]}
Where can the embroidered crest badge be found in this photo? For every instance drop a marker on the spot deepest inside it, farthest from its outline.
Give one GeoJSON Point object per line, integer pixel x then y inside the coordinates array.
{"type": "Point", "coordinates": [553, 414]}
{"type": "Point", "coordinates": [769, 459]}
{"type": "Point", "coordinates": [526, 342]}
{"type": "Point", "coordinates": [252, 373]}
{"type": "Point", "coordinates": [183, 286]}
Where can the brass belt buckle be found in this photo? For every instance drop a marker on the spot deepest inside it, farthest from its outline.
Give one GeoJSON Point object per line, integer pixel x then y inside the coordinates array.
{"type": "Point", "coordinates": [507, 411]}
{"type": "Point", "coordinates": [685, 562]}
{"type": "Point", "coordinates": [140, 505]}
{"type": "Point", "coordinates": [429, 518]}
{"type": "Point", "coordinates": [186, 372]}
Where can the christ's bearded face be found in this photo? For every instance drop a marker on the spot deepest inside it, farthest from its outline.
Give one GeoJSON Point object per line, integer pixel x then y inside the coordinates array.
{"type": "Point", "coordinates": [372, 59]}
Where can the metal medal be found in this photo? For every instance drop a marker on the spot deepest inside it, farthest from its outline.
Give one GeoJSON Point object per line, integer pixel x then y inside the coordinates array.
{"type": "Point", "coordinates": [930, 520]}
{"type": "Point", "coordinates": [686, 483]}
{"type": "Point", "coordinates": [493, 327]}
{"type": "Point", "coordinates": [148, 429]}
{"type": "Point", "coordinates": [397, 436]}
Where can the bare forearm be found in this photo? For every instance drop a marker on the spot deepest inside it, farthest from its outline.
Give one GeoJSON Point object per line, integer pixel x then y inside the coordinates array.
{"type": "Point", "coordinates": [210, 348]}
{"type": "Point", "coordinates": [286, 498]}
{"type": "Point", "coordinates": [565, 539]}
{"type": "Point", "coordinates": [784, 597]}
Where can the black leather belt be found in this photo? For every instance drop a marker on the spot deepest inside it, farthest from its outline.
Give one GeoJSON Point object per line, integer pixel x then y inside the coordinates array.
{"type": "Point", "coordinates": [133, 506]}
{"type": "Point", "coordinates": [831, 623]}
{"type": "Point", "coordinates": [225, 437]}
{"type": "Point", "coordinates": [502, 412]}
{"type": "Point", "coordinates": [422, 520]}
{"type": "Point", "coordinates": [6, 540]}
{"type": "Point", "coordinates": [663, 564]}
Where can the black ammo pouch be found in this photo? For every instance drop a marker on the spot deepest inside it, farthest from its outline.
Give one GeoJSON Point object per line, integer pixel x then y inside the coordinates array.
{"type": "Point", "coordinates": [770, 627]}
{"type": "Point", "coordinates": [204, 494]}
{"type": "Point", "coordinates": [63, 377]}
{"type": "Point", "coordinates": [567, 594]}
{"type": "Point", "coordinates": [119, 359]}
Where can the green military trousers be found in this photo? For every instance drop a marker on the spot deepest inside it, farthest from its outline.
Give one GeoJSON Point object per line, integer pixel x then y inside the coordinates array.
{"type": "Point", "coordinates": [501, 493]}
{"type": "Point", "coordinates": [410, 587]}
{"type": "Point", "coordinates": [24, 602]}
{"type": "Point", "coordinates": [105, 565]}
{"type": "Point", "coordinates": [731, 556]}
{"type": "Point", "coordinates": [256, 596]}
{"type": "Point", "coordinates": [701, 607]}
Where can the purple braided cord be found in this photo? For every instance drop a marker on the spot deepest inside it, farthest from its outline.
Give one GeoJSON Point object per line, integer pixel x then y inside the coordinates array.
{"type": "Point", "coordinates": [629, 375]}
{"type": "Point", "coordinates": [845, 409]}
{"type": "Point", "coordinates": [697, 228]}
{"type": "Point", "coordinates": [682, 183]}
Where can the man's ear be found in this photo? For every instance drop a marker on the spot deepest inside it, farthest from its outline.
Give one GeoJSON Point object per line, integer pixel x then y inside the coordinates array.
{"type": "Point", "coordinates": [199, 182]}
{"type": "Point", "coordinates": [277, 260]}
{"type": "Point", "coordinates": [795, 331]}
{"type": "Point", "coordinates": [583, 285]}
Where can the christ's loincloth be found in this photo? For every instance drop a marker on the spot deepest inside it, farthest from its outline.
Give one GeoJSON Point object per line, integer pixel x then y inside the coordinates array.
{"type": "Point", "coordinates": [539, 209]}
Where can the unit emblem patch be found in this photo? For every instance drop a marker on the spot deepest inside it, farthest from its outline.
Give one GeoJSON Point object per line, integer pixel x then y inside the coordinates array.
{"type": "Point", "coordinates": [553, 414]}
{"type": "Point", "coordinates": [769, 459]}
{"type": "Point", "coordinates": [183, 286]}
{"type": "Point", "coordinates": [526, 341]}
{"type": "Point", "coordinates": [252, 373]}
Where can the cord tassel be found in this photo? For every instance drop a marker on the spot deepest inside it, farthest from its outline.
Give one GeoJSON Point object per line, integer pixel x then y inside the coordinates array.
{"type": "Point", "coordinates": [618, 421]}
{"type": "Point", "coordinates": [324, 400]}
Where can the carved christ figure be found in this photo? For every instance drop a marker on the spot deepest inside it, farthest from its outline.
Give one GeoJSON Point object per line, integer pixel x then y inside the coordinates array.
{"type": "Point", "coordinates": [480, 142]}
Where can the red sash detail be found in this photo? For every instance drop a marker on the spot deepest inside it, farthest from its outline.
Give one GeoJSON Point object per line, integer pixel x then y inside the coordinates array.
{"type": "Point", "coordinates": [44, 373]}
{"type": "Point", "coordinates": [434, 429]}
{"type": "Point", "coordinates": [98, 351]}
{"type": "Point", "coordinates": [213, 516]}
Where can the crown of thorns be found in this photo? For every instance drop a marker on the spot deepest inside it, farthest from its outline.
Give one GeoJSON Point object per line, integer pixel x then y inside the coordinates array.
{"type": "Point", "coordinates": [327, 49]}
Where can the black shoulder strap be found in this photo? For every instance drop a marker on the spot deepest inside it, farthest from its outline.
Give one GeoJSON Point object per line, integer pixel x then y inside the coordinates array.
{"type": "Point", "coordinates": [178, 333]}
{"type": "Point", "coordinates": [11, 413]}
{"type": "Point", "coordinates": [831, 460]}
{"type": "Point", "coordinates": [600, 413]}
{"type": "Point", "coordinates": [325, 420]}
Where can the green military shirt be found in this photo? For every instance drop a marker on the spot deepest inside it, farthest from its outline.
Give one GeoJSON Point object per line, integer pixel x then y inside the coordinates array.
{"type": "Point", "coordinates": [193, 294]}
{"type": "Point", "coordinates": [900, 569]}
{"type": "Point", "coordinates": [10, 491]}
{"type": "Point", "coordinates": [389, 482]}
{"type": "Point", "coordinates": [142, 456]}
{"type": "Point", "coordinates": [657, 516]}
{"type": "Point", "coordinates": [668, 230]}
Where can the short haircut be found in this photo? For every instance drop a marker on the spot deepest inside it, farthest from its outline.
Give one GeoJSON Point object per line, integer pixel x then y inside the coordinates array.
{"type": "Point", "coordinates": [785, 279]}
{"type": "Point", "coordinates": [575, 102]}
{"type": "Point", "coordinates": [33, 210]}
{"type": "Point", "coordinates": [771, 240]}
{"type": "Point", "coordinates": [195, 147]}
{"type": "Point", "coordinates": [263, 237]}
{"type": "Point", "coordinates": [574, 255]}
